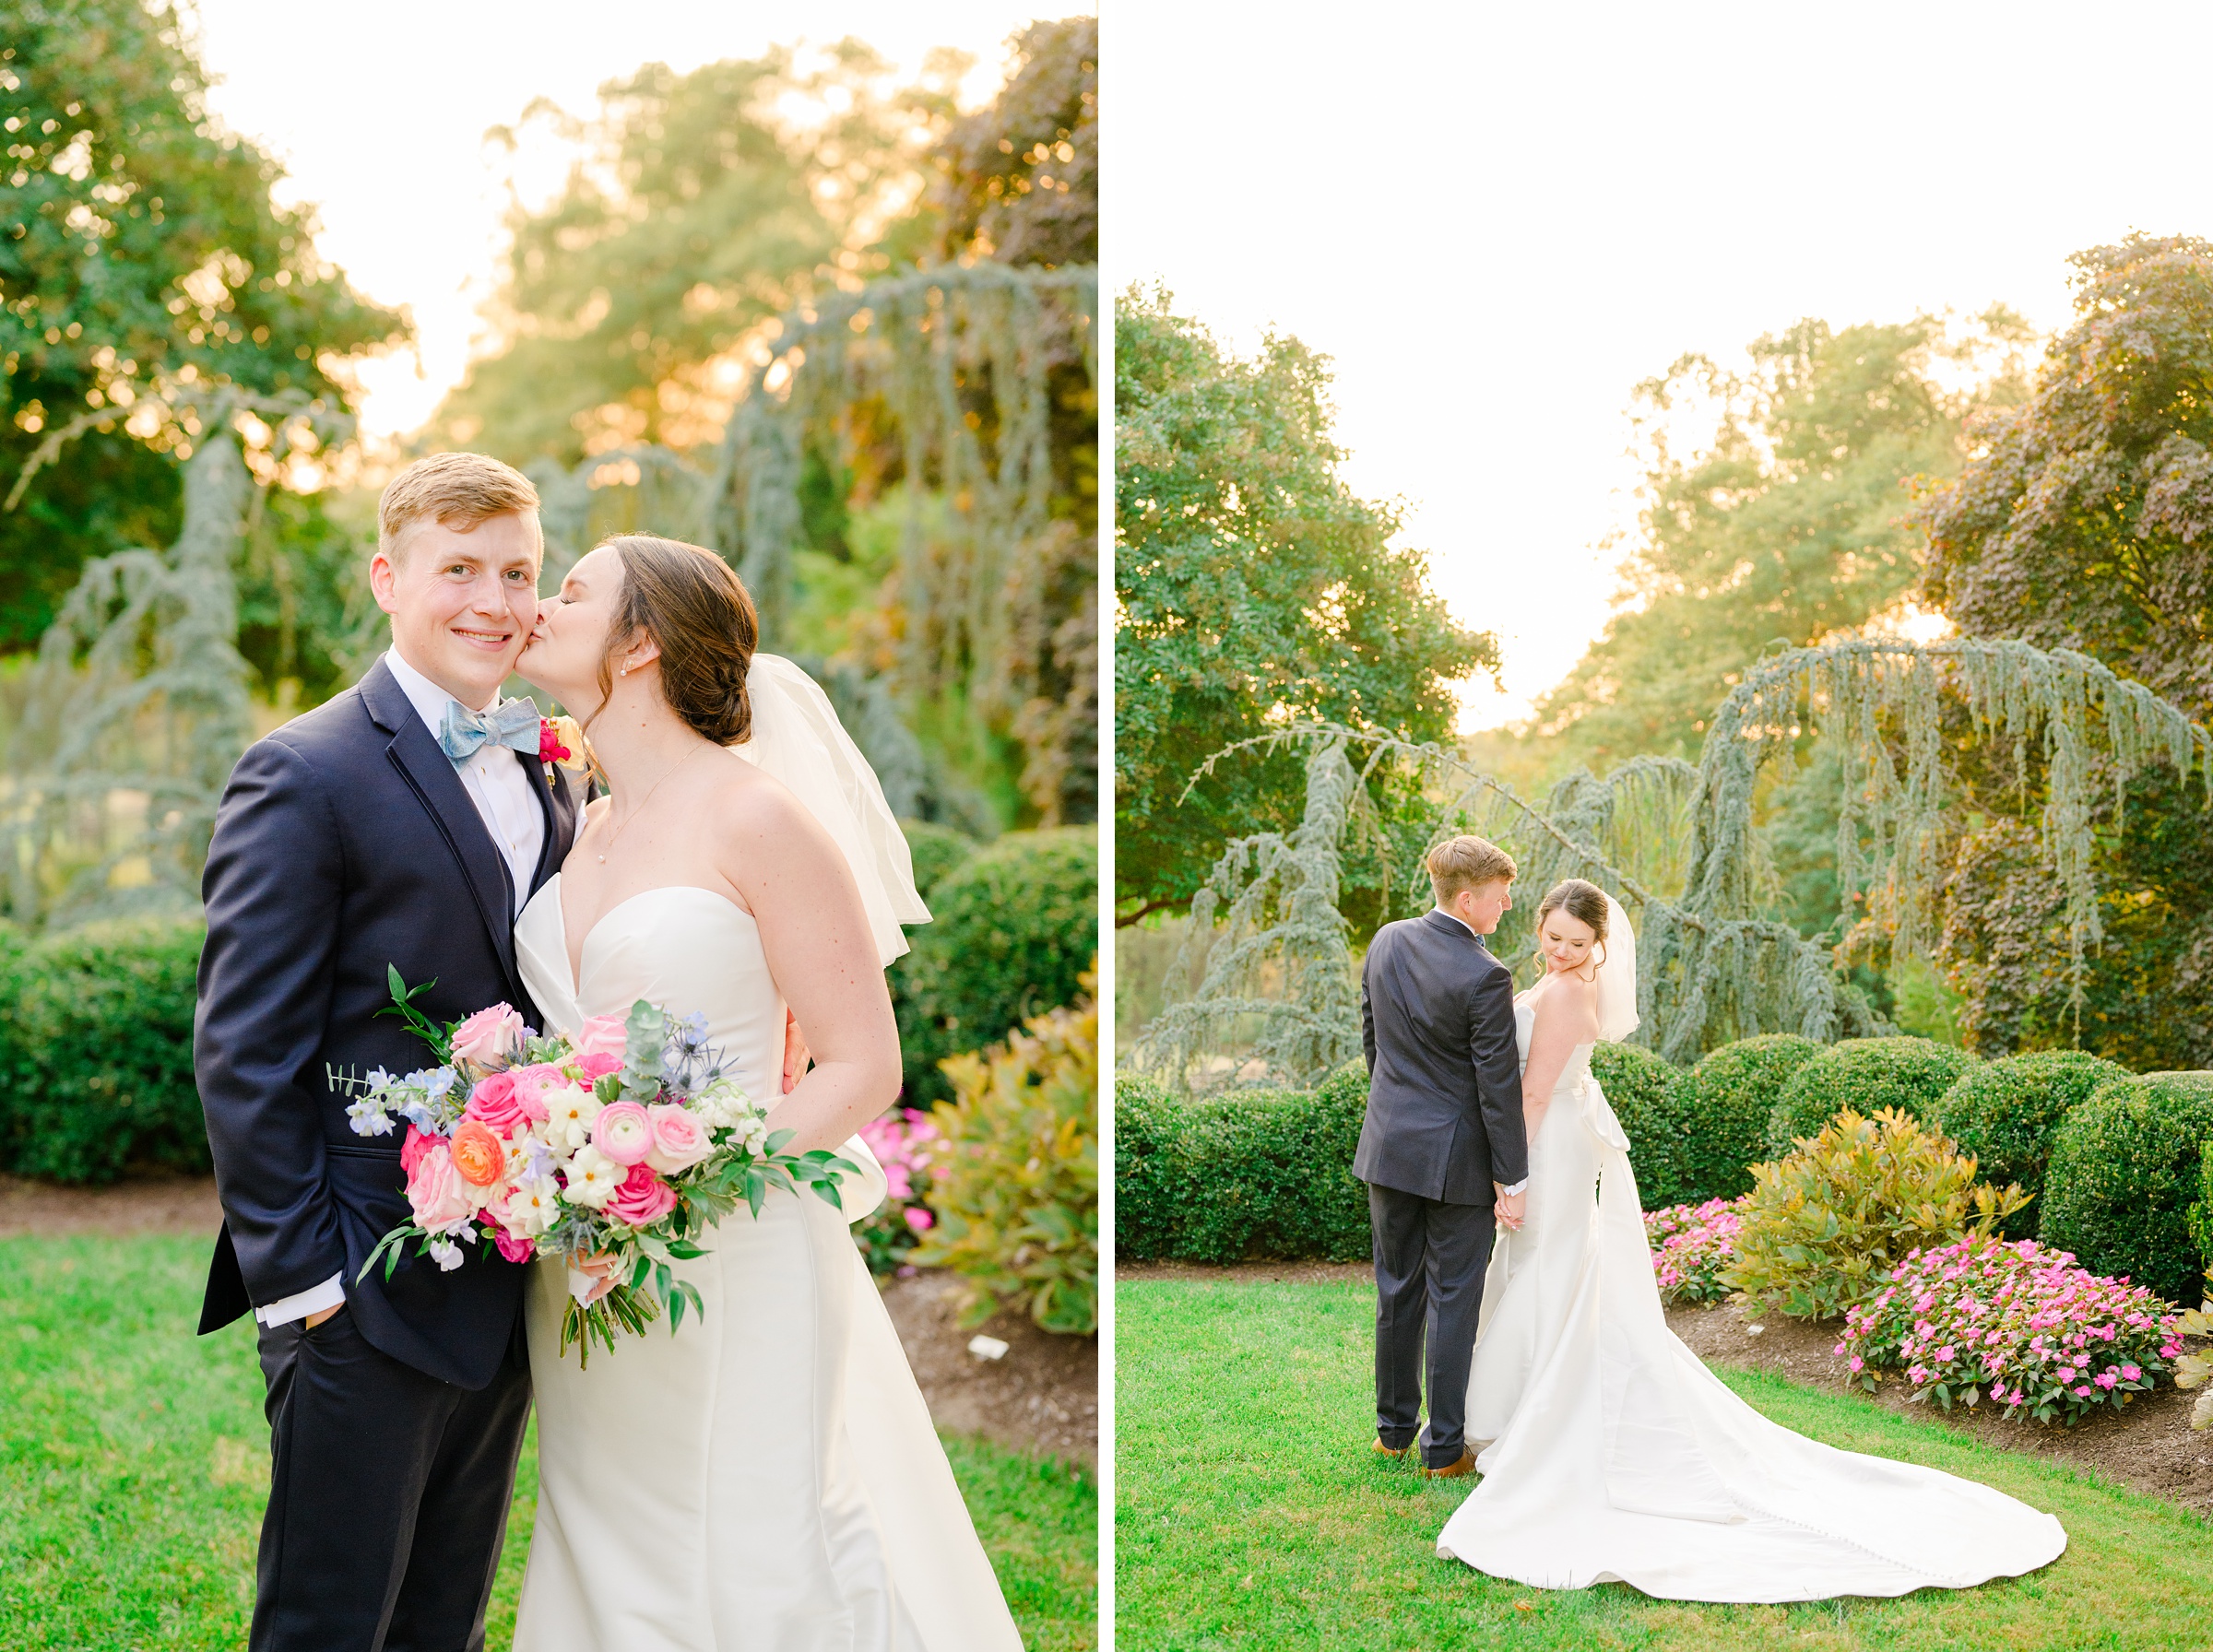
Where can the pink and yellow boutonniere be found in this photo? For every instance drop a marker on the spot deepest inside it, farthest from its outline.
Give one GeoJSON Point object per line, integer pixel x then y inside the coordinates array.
{"type": "Point", "coordinates": [561, 740]}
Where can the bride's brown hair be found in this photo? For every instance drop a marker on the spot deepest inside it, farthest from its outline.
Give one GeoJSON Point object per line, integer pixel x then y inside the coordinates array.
{"type": "Point", "coordinates": [700, 616]}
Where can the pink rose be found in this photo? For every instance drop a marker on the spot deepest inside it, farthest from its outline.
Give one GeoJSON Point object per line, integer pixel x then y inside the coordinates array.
{"type": "Point", "coordinates": [492, 1038]}
{"type": "Point", "coordinates": [512, 1248]}
{"type": "Point", "coordinates": [530, 1086]}
{"type": "Point", "coordinates": [642, 1198]}
{"type": "Point", "coordinates": [436, 1192]}
{"type": "Point", "coordinates": [412, 1149]}
{"type": "Point", "coordinates": [623, 1132]}
{"type": "Point", "coordinates": [497, 1101]}
{"type": "Point", "coordinates": [680, 1140]}
{"type": "Point", "coordinates": [601, 1035]}
{"type": "Point", "coordinates": [599, 1064]}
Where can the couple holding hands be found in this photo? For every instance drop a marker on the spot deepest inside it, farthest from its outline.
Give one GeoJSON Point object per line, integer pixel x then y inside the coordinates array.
{"type": "Point", "coordinates": [1512, 1271]}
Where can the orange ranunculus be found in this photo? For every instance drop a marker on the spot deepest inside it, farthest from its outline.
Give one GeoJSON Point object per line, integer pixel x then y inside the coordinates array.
{"type": "Point", "coordinates": [477, 1153]}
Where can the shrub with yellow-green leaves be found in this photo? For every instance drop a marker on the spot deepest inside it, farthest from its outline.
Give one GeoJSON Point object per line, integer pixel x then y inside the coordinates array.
{"type": "Point", "coordinates": [1826, 1224]}
{"type": "Point", "coordinates": [1015, 1175]}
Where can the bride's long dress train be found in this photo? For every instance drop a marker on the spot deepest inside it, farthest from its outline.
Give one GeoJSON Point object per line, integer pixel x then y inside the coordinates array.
{"type": "Point", "coordinates": [768, 1479]}
{"type": "Point", "coordinates": [1613, 1455]}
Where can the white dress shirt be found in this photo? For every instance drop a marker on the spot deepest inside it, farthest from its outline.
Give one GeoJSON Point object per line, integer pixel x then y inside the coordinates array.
{"type": "Point", "coordinates": [501, 790]}
{"type": "Point", "coordinates": [494, 781]}
{"type": "Point", "coordinates": [1481, 943]}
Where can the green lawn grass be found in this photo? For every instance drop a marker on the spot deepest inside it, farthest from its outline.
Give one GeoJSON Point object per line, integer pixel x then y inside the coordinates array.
{"type": "Point", "coordinates": [133, 1465]}
{"type": "Point", "coordinates": [1253, 1515]}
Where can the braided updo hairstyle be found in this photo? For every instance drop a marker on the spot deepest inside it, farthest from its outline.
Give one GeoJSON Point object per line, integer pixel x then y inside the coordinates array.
{"type": "Point", "coordinates": [698, 613]}
{"type": "Point", "coordinates": [1583, 900]}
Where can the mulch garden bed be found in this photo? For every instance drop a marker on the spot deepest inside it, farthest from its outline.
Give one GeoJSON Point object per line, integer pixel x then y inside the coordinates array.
{"type": "Point", "coordinates": [2148, 1447]}
{"type": "Point", "coordinates": [1042, 1395]}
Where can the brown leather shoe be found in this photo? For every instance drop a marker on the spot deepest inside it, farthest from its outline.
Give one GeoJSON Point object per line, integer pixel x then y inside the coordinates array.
{"type": "Point", "coordinates": [1390, 1451]}
{"type": "Point", "coordinates": [1454, 1470]}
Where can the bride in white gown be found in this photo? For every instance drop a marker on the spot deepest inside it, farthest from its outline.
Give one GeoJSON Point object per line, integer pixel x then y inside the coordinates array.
{"type": "Point", "coordinates": [1608, 1452]}
{"type": "Point", "coordinates": [766, 1478]}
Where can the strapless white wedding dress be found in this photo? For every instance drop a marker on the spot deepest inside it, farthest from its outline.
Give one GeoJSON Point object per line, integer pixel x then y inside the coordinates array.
{"type": "Point", "coordinates": [766, 1479]}
{"type": "Point", "coordinates": [1610, 1454]}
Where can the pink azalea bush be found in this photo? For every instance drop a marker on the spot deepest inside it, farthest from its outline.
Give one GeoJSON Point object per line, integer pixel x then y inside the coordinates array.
{"type": "Point", "coordinates": [903, 1142]}
{"type": "Point", "coordinates": [2017, 1323]}
{"type": "Point", "coordinates": [1691, 1246]}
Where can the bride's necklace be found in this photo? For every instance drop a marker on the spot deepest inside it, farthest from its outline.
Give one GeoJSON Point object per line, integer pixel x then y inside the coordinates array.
{"type": "Point", "coordinates": [635, 813]}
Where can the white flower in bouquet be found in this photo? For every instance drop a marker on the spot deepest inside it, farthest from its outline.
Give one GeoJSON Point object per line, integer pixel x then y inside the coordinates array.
{"type": "Point", "coordinates": [594, 1177]}
{"type": "Point", "coordinates": [533, 1207]}
{"type": "Point", "coordinates": [569, 1115]}
{"type": "Point", "coordinates": [723, 1105]}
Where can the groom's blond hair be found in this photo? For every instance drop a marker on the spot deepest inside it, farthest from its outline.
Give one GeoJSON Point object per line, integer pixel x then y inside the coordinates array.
{"type": "Point", "coordinates": [1466, 862]}
{"type": "Point", "coordinates": [456, 490]}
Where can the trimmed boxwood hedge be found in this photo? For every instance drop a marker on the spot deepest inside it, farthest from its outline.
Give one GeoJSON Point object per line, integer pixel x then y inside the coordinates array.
{"type": "Point", "coordinates": [2004, 1113]}
{"type": "Point", "coordinates": [1015, 927]}
{"type": "Point", "coordinates": [96, 1056]}
{"type": "Point", "coordinates": [1866, 1074]}
{"type": "Point", "coordinates": [2122, 1174]}
{"type": "Point", "coordinates": [935, 850]}
{"type": "Point", "coordinates": [1255, 1173]}
{"type": "Point", "coordinates": [1693, 1134]}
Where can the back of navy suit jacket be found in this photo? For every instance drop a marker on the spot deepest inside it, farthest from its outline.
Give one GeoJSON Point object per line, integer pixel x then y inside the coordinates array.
{"type": "Point", "coordinates": [1444, 1096]}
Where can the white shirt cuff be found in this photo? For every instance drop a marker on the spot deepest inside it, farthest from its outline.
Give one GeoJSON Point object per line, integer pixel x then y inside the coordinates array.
{"type": "Point", "coordinates": [330, 1293]}
{"type": "Point", "coordinates": [1516, 1187]}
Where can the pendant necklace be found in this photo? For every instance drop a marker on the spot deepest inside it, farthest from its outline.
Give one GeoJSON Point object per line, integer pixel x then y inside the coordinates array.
{"type": "Point", "coordinates": [641, 808]}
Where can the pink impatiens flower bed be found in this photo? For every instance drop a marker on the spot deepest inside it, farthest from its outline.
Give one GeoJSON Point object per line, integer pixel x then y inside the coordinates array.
{"type": "Point", "coordinates": [903, 1142]}
{"type": "Point", "coordinates": [1691, 1245]}
{"type": "Point", "coordinates": [2019, 1324]}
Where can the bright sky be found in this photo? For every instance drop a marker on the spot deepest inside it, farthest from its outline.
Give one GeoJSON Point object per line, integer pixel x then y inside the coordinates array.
{"type": "Point", "coordinates": [1499, 217]}
{"type": "Point", "coordinates": [380, 113]}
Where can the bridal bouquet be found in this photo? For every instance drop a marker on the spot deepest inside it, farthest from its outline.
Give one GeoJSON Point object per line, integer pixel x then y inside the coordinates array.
{"type": "Point", "coordinates": [617, 1147]}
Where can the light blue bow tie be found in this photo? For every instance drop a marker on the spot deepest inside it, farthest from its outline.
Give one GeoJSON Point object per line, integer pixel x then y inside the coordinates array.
{"type": "Point", "coordinates": [514, 723]}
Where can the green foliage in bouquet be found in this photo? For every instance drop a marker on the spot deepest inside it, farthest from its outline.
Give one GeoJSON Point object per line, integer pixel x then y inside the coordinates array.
{"type": "Point", "coordinates": [1825, 1226]}
{"type": "Point", "coordinates": [1017, 925]}
{"type": "Point", "coordinates": [2125, 1168]}
{"type": "Point", "coordinates": [2004, 1113]}
{"type": "Point", "coordinates": [96, 1047]}
{"type": "Point", "coordinates": [1867, 1076]}
{"type": "Point", "coordinates": [1250, 1173]}
{"type": "Point", "coordinates": [1015, 1180]}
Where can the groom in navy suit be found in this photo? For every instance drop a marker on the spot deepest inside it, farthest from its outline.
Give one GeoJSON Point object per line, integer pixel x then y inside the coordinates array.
{"type": "Point", "coordinates": [404, 823]}
{"type": "Point", "coordinates": [1442, 1148]}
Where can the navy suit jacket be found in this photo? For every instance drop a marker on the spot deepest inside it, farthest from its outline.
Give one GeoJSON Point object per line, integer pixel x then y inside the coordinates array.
{"type": "Point", "coordinates": [1444, 1077]}
{"type": "Point", "coordinates": [347, 843]}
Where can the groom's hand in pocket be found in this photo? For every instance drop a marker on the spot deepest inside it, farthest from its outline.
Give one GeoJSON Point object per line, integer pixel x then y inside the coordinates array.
{"type": "Point", "coordinates": [320, 1314]}
{"type": "Point", "coordinates": [795, 1053]}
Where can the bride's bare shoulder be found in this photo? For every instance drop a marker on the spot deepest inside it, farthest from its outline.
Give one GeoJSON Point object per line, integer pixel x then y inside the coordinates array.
{"type": "Point", "coordinates": [756, 820]}
{"type": "Point", "coordinates": [1567, 996]}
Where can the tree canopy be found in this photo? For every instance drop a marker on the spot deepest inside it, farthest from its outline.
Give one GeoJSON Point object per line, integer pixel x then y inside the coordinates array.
{"type": "Point", "coordinates": [1018, 181]}
{"type": "Point", "coordinates": [1254, 588]}
{"type": "Point", "coordinates": [702, 206]}
{"type": "Point", "coordinates": [2086, 522]}
{"type": "Point", "coordinates": [139, 248]}
{"type": "Point", "coordinates": [2089, 522]}
{"type": "Point", "coordinates": [1790, 522]}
